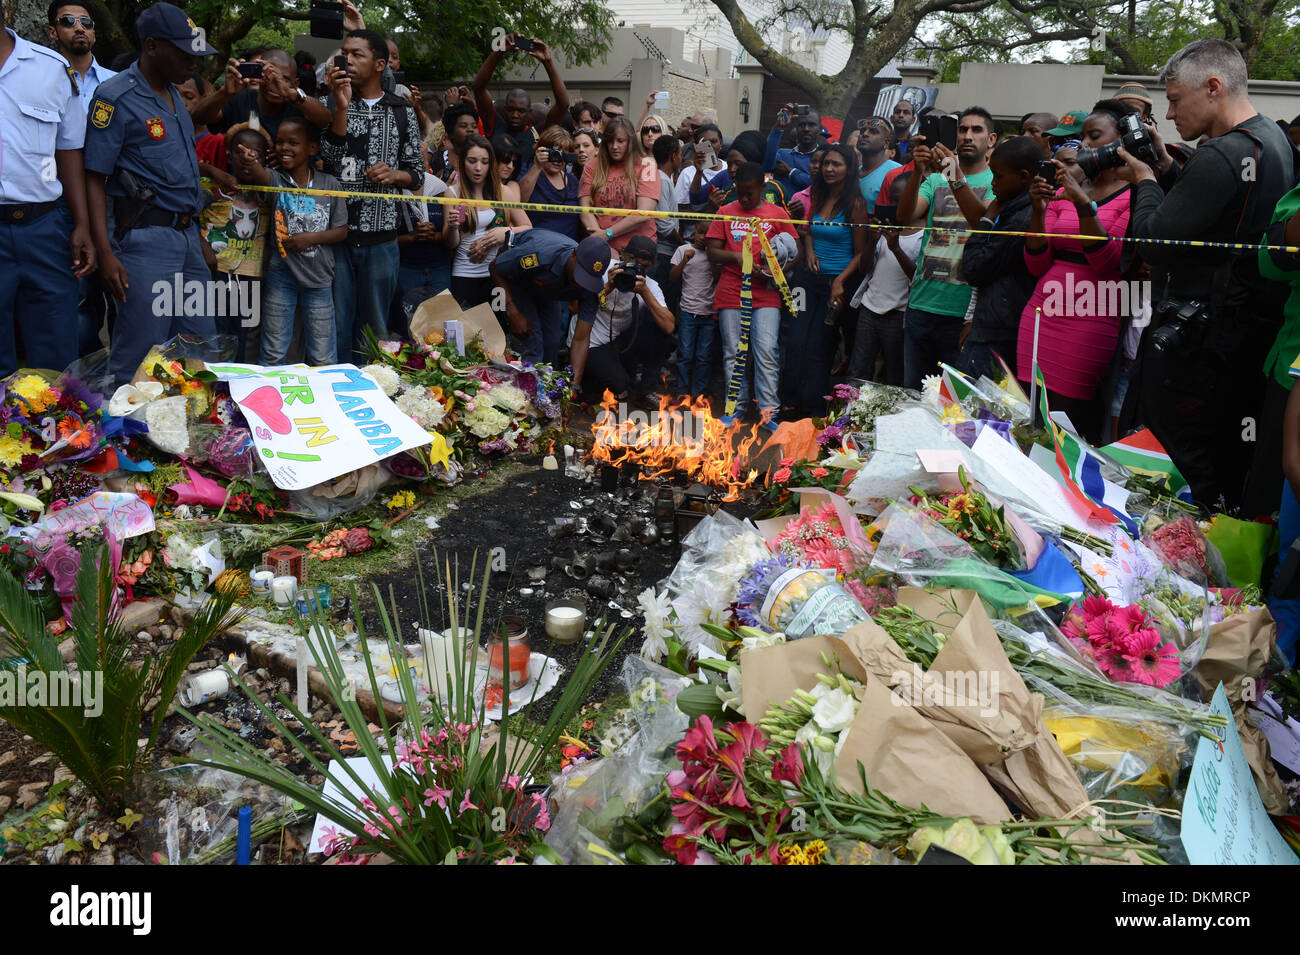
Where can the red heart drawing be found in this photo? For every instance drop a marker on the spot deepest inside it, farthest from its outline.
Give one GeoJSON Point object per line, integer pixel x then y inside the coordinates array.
{"type": "Point", "coordinates": [266, 403]}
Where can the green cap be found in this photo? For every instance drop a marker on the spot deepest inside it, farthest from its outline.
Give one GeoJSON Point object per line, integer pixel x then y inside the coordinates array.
{"type": "Point", "coordinates": [1071, 124]}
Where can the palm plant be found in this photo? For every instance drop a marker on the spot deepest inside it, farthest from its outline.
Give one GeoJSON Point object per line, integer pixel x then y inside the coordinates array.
{"type": "Point", "coordinates": [101, 749]}
{"type": "Point", "coordinates": [445, 792]}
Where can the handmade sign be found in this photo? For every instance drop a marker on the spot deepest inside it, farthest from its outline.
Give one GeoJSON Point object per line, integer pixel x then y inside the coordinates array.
{"type": "Point", "coordinates": [1224, 821]}
{"type": "Point", "coordinates": [311, 425]}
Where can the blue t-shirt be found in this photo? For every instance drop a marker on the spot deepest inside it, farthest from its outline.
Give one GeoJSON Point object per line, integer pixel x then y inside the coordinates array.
{"type": "Point", "coordinates": [870, 183]}
{"type": "Point", "coordinates": [562, 222]}
{"type": "Point", "coordinates": [833, 244]}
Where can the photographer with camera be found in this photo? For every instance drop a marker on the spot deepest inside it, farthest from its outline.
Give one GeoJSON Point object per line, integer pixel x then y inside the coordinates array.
{"type": "Point", "coordinates": [631, 329]}
{"type": "Point", "coordinates": [1197, 382]}
{"type": "Point", "coordinates": [549, 181]}
{"type": "Point", "coordinates": [514, 117]}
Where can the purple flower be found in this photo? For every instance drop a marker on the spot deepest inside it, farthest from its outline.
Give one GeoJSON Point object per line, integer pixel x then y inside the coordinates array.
{"type": "Point", "coordinates": [845, 392]}
{"type": "Point", "coordinates": [754, 586]}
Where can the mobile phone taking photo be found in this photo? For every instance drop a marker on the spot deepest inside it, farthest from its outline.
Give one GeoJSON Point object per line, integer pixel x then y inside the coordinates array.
{"type": "Point", "coordinates": [251, 70]}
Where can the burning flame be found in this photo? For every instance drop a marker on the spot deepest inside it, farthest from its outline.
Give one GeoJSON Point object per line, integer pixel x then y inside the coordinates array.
{"type": "Point", "coordinates": [679, 438]}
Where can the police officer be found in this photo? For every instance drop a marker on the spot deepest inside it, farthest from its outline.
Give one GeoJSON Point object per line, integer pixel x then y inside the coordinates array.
{"type": "Point", "coordinates": [143, 189]}
{"type": "Point", "coordinates": [540, 271]}
{"type": "Point", "coordinates": [42, 127]}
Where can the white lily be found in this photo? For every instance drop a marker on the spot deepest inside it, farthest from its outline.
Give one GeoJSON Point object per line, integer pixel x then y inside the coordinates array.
{"type": "Point", "coordinates": [846, 458]}
{"type": "Point", "coordinates": [130, 398]}
{"type": "Point", "coordinates": [25, 501]}
{"type": "Point", "coordinates": [731, 695]}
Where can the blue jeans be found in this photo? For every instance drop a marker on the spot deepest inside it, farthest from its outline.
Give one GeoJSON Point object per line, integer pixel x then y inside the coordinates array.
{"type": "Point", "coordinates": [283, 295]}
{"type": "Point", "coordinates": [547, 320]}
{"type": "Point", "coordinates": [38, 289]}
{"type": "Point", "coordinates": [976, 358]}
{"type": "Point", "coordinates": [156, 258]}
{"type": "Point", "coordinates": [928, 339]}
{"type": "Point", "coordinates": [435, 278]}
{"type": "Point", "coordinates": [764, 355]}
{"type": "Point", "coordinates": [365, 277]}
{"type": "Point", "coordinates": [694, 345]}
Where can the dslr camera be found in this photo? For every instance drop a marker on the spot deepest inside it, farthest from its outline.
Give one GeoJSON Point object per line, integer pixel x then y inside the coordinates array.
{"type": "Point", "coordinates": [625, 278]}
{"type": "Point", "coordinates": [1182, 326]}
{"type": "Point", "coordinates": [1133, 136]}
{"type": "Point", "coordinates": [556, 155]}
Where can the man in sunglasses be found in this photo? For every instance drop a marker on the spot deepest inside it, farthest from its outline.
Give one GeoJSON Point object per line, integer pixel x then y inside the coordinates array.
{"type": "Point", "coordinates": [72, 31]}
{"type": "Point", "coordinates": [610, 107]}
{"type": "Point", "coordinates": [875, 138]}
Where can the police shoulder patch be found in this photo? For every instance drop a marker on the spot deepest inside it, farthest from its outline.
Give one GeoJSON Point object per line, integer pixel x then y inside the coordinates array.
{"type": "Point", "coordinates": [529, 261]}
{"type": "Point", "coordinates": [101, 114]}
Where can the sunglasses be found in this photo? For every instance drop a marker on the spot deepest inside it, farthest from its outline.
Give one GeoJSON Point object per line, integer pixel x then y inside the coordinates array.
{"type": "Point", "coordinates": [609, 115]}
{"type": "Point", "coordinates": [649, 129]}
{"type": "Point", "coordinates": [68, 20]}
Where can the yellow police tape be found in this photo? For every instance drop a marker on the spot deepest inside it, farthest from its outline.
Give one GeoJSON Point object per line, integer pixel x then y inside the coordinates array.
{"type": "Point", "coordinates": [715, 217]}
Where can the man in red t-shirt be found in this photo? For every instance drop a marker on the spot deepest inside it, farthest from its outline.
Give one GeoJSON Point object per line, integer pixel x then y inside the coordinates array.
{"type": "Point", "coordinates": [725, 243]}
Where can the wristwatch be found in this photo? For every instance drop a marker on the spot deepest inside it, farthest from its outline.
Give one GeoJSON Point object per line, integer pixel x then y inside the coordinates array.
{"type": "Point", "coordinates": [609, 234]}
{"type": "Point", "coordinates": [1089, 210]}
{"type": "Point", "coordinates": [302, 96]}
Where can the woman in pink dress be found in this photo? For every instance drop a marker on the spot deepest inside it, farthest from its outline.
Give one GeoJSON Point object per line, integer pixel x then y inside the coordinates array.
{"type": "Point", "coordinates": [1079, 290]}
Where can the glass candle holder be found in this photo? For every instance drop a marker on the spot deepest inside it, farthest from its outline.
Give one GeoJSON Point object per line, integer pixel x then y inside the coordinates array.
{"type": "Point", "coordinates": [511, 633]}
{"type": "Point", "coordinates": [260, 578]}
{"type": "Point", "coordinates": [566, 620]}
{"type": "Point", "coordinates": [284, 590]}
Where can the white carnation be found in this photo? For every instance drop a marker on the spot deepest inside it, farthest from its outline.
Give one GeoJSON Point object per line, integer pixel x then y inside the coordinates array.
{"type": "Point", "coordinates": [422, 408]}
{"type": "Point", "coordinates": [385, 377]}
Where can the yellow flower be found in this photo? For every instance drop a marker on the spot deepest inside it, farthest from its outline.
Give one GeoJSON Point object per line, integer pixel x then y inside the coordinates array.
{"type": "Point", "coordinates": [11, 451]}
{"type": "Point", "coordinates": [400, 500]}
{"type": "Point", "coordinates": [953, 414]}
{"type": "Point", "coordinates": [35, 391]}
{"type": "Point", "coordinates": [810, 854]}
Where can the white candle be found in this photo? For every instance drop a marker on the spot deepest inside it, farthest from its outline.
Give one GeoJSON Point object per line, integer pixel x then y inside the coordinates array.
{"type": "Point", "coordinates": [550, 464]}
{"type": "Point", "coordinates": [564, 624]}
{"type": "Point", "coordinates": [262, 581]}
{"type": "Point", "coordinates": [284, 590]}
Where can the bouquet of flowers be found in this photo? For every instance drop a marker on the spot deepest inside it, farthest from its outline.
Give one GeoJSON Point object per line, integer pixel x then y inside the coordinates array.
{"type": "Point", "coordinates": [819, 718]}
{"type": "Point", "coordinates": [971, 516]}
{"type": "Point", "coordinates": [1124, 641]}
{"type": "Point", "coordinates": [47, 421]}
{"type": "Point", "coordinates": [791, 474]}
{"type": "Point", "coordinates": [1184, 549]}
{"type": "Point", "coordinates": [60, 553]}
{"type": "Point", "coordinates": [780, 594]}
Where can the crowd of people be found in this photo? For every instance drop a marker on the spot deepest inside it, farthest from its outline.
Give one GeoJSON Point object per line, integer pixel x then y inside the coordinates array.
{"type": "Point", "coordinates": [916, 239]}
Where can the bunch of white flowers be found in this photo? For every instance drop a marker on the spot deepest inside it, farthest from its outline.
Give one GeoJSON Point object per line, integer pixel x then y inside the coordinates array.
{"type": "Point", "coordinates": [819, 719]}
{"type": "Point", "coordinates": [486, 421]}
{"type": "Point", "coordinates": [421, 407]}
{"type": "Point", "coordinates": [657, 612]}
{"type": "Point", "coordinates": [509, 398]}
{"type": "Point", "coordinates": [385, 377]}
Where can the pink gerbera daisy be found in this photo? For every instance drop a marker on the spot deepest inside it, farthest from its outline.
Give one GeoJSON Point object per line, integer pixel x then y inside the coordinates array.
{"type": "Point", "coordinates": [1153, 663]}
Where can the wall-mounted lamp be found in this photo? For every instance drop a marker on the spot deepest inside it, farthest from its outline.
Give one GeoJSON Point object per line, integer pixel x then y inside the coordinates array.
{"type": "Point", "coordinates": [744, 105]}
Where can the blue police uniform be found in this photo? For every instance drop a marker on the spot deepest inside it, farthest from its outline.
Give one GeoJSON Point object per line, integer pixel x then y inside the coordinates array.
{"type": "Point", "coordinates": [131, 128]}
{"type": "Point", "coordinates": [40, 113]}
{"type": "Point", "coordinates": [534, 268]}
